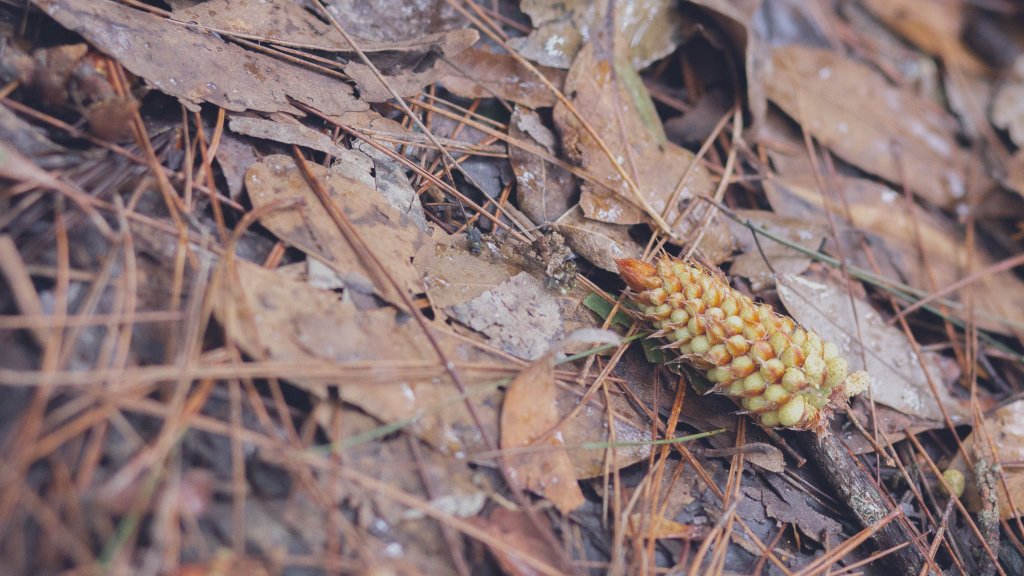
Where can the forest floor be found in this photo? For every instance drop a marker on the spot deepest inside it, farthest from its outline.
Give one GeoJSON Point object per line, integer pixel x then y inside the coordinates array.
{"type": "Point", "coordinates": [332, 286]}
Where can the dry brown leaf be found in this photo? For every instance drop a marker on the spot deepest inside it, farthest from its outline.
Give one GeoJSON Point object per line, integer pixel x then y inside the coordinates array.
{"type": "Point", "coordinates": [934, 27]}
{"type": "Point", "coordinates": [660, 528]}
{"type": "Point", "coordinates": [614, 101]}
{"type": "Point", "coordinates": [30, 140]}
{"type": "Point", "coordinates": [445, 485]}
{"type": "Point", "coordinates": [234, 156]}
{"type": "Point", "coordinates": [491, 294]}
{"type": "Point", "coordinates": [289, 24]}
{"type": "Point", "coordinates": [395, 20]}
{"type": "Point", "coordinates": [286, 133]}
{"type": "Point", "coordinates": [762, 258]}
{"type": "Point", "coordinates": [272, 317]}
{"type": "Point", "coordinates": [519, 315]}
{"type": "Point", "coordinates": [869, 123]}
{"type": "Point", "coordinates": [393, 183]}
{"type": "Point", "coordinates": [894, 227]}
{"type": "Point", "coordinates": [480, 73]}
{"type": "Point", "coordinates": [527, 414]}
{"type": "Point", "coordinates": [392, 236]}
{"type": "Point", "coordinates": [407, 73]}
{"type": "Point", "coordinates": [544, 192]}
{"type": "Point", "coordinates": [1008, 110]}
{"type": "Point", "coordinates": [789, 504]}
{"type": "Point", "coordinates": [453, 275]}
{"type": "Point", "coordinates": [735, 18]}
{"type": "Point", "coordinates": [598, 242]}
{"type": "Point", "coordinates": [214, 71]}
{"type": "Point", "coordinates": [1004, 429]}
{"type": "Point", "coordinates": [1014, 178]}
{"type": "Point", "coordinates": [897, 377]}
{"type": "Point", "coordinates": [285, 23]}
{"type": "Point", "coordinates": [560, 29]}
{"type": "Point", "coordinates": [520, 534]}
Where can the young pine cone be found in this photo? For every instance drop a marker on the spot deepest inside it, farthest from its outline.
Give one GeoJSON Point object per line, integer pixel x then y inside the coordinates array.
{"type": "Point", "coordinates": [782, 374]}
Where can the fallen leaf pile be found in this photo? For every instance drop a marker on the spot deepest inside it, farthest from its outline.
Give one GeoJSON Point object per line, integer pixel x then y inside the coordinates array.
{"type": "Point", "coordinates": [334, 287]}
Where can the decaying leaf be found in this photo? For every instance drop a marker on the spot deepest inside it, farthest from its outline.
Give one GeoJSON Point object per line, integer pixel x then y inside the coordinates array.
{"type": "Point", "coordinates": [659, 528]}
{"type": "Point", "coordinates": [286, 133]}
{"type": "Point", "coordinates": [1008, 110]}
{"type": "Point", "coordinates": [527, 414]}
{"type": "Point", "coordinates": [488, 292]}
{"type": "Point", "coordinates": [763, 258]}
{"type": "Point", "coordinates": [452, 275]}
{"type": "Point", "coordinates": [1004, 430]}
{"type": "Point", "coordinates": [388, 21]}
{"type": "Point", "coordinates": [393, 183]}
{"type": "Point", "coordinates": [786, 503]}
{"type": "Point", "coordinates": [272, 317]}
{"type": "Point", "coordinates": [871, 124]}
{"type": "Point", "coordinates": [934, 27]}
{"type": "Point", "coordinates": [599, 242]}
{"type": "Point", "coordinates": [544, 191]}
{"type": "Point", "coordinates": [480, 73]}
{"type": "Point", "coordinates": [897, 376]}
{"type": "Point", "coordinates": [393, 238]}
{"type": "Point", "coordinates": [31, 141]}
{"type": "Point", "coordinates": [735, 17]}
{"type": "Point", "coordinates": [290, 24]}
{"type": "Point", "coordinates": [621, 113]}
{"type": "Point", "coordinates": [497, 313]}
{"type": "Point", "coordinates": [515, 529]}
{"type": "Point", "coordinates": [652, 27]}
{"type": "Point", "coordinates": [862, 206]}
{"type": "Point", "coordinates": [407, 73]}
{"type": "Point", "coordinates": [214, 71]}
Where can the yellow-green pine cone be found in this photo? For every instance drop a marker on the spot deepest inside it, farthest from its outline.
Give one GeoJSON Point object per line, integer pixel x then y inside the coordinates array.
{"type": "Point", "coordinates": [780, 373]}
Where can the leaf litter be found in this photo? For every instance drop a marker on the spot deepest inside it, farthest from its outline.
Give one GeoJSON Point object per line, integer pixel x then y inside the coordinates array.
{"type": "Point", "coordinates": [225, 367]}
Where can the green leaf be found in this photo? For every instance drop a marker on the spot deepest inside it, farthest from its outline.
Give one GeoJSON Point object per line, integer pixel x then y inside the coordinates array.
{"type": "Point", "coordinates": [603, 308]}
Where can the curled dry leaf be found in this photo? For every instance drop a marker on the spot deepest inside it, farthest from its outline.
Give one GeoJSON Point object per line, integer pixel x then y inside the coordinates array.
{"type": "Point", "coordinates": [392, 236]}
{"type": "Point", "coordinates": [897, 377]}
{"type": "Point", "coordinates": [529, 411]}
{"type": "Point", "coordinates": [873, 125]}
{"type": "Point", "coordinates": [612, 98]}
{"type": "Point", "coordinates": [215, 71]}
